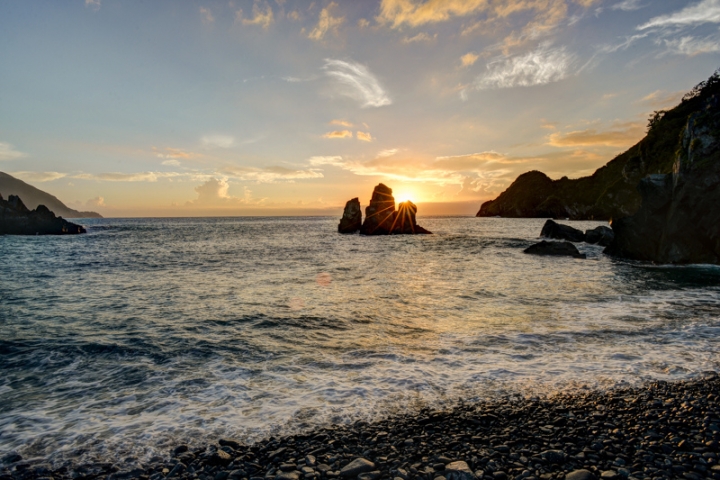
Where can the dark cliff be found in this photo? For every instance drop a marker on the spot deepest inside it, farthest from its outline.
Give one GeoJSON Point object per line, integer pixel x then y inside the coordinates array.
{"type": "Point", "coordinates": [32, 197]}
{"type": "Point", "coordinates": [611, 192]}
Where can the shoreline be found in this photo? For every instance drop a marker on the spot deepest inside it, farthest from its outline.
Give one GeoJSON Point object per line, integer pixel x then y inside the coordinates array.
{"type": "Point", "coordinates": [659, 430]}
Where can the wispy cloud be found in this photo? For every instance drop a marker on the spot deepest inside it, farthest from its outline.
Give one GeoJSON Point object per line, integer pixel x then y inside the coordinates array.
{"type": "Point", "coordinates": [692, 46]}
{"type": "Point", "coordinates": [706, 11]}
{"type": "Point", "coordinates": [169, 152]}
{"type": "Point", "coordinates": [660, 99]}
{"type": "Point", "coordinates": [206, 15]}
{"type": "Point", "coordinates": [339, 134]}
{"type": "Point", "coordinates": [420, 37]}
{"type": "Point", "coordinates": [364, 136]}
{"type": "Point", "coordinates": [39, 176]}
{"type": "Point", "coordinates": [326, 23]}
{"type": "Point", "coordinates": [8, 152]}
{"type": "Point", "coordinates": [335, 160]}
{"type": "Point", "coordinates": [387, 152]}
{"type": "Point", "coordinates": [416, 13]}
{"type": "Point", "coordinates": [218, 141]}
{"type": "Point", "coordinates": [342, 123]}
{"type": "Point", "coordinates": [628, 5]}
{"type": "Point", "coordinates": [538, 67]}
{"type": "Point", "coordinates": [126, 177]}
{"type": "Point", "coordinates": [262, 18]}
{"type": "Point", "coordinates": [94, 4]}
{"type": "Point", "coordinates": [622, 135]}
{"type": "Point", "coordinates": [355, 81]}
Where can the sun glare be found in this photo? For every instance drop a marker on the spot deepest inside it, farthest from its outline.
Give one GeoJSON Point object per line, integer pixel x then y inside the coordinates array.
{"type": "Point", "coordinates": [404, 196]}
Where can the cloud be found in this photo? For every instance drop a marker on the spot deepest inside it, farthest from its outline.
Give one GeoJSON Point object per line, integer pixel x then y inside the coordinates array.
{"type": "Point", "coordinates": [363, 23]}
{"type": "Point", "coordinates": [692, 46]}
{"type": "Point", "coordinates": [94, 4]}
{"type": "Point", "coordinates": [539, 67]}
{"type": "Point", "coordinates": [415, 13]}
{"type": "Point", "coordinates": [170, 152]}
{"type": "Point", "coordinates": [420, 37]}
{"type": "Point", "coordinates": [219, 141]}
{"type": "Point", "coordinates": [387, 153]}
{"type": "Point", "coordinates": [339, 134]}
{"type": "Point", "coordinates": [468, 59]}
{"type": "Point", "coordinates": [355, 81]}
{"type": "Point", "coordinates": [172, 163]}
{"type": "Point", "coordinates": [39, 176]}
{"type": "Point", "coordinates": [261, 18]}
{"type": "Point", "coordinates": [272, 174]}
{"type": "Point", "coordinates": [126, 177]}
{"type": "Point", "coordinates": [341, 123]}
{"type": "Point", "coordinates": [336, 161]}
{"type": "Point", "coordinates": [212, 191]}
{"type": "Point", "coordinates": [661, 99]}
{"type": "Point", "coordinates": [326, 23]}
{"type": "Point", "coordinates": [364, 136]}
{"type": "Point", "coordinates": [207, 16]}
{"type": "Point", "coordinates": [95, 202]}
{"type": "Point", "coordinates": [8, 152]}
{"type": "Point", "coordinates": [628, 5]}
{"type": "Point", "coordinates": [620, 135]}
{"type": "Point", "coordinates": [705, 11]}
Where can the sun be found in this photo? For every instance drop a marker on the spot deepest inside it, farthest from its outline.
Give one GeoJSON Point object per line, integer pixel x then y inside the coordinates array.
{"type": "Point", "coordinates": [405, 195]}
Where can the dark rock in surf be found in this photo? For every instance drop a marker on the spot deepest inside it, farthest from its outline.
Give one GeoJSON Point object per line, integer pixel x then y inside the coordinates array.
{"type": "Point", "coordinates": [17, 219]}
{"type": "Point", "coordinates": [351, 220]}
{"type": "Point", "coordinates": [601, 235]}
{"type": "Point", "coordinates": [381, 218]}
{"type": "Point", "coordinates": [557, 249]}
{"type": "Point", "coordinates": [552, 229]}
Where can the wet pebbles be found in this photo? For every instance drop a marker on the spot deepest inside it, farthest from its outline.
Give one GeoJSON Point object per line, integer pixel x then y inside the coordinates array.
{"type": "Point", "coordinates": [662, 430]}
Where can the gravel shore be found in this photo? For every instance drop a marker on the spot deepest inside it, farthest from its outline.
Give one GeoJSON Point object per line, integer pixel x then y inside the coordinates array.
{"type": "Point", "coordinates": [661, 430]}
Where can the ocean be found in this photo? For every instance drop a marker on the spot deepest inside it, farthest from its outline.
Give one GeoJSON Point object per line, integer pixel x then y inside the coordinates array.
{"type": "Point", "coordinates": [146, 333]}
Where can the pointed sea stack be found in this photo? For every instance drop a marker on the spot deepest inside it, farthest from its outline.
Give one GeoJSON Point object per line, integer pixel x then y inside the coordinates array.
{"type": "Point", "coordinates": [351, 220]}
{"type": "Point", "coordinates": [380, 214]}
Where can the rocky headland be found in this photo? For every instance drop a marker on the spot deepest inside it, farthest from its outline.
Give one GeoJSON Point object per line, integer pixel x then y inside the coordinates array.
{"type": "Point", "coordinates": [17, 219]}
{"type": "Point", "coordinates": [658, 431]}
{"type": "Point", "coordinates": [381, 218]}
{"type": "Point", "coordinates": [33, 197]}
{"type": "Point", "coordinates": [660, 195]}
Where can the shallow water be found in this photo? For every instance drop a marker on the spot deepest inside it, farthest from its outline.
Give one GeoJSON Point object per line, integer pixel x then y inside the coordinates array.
{"type": "Point", "coordinates": [149, 332]}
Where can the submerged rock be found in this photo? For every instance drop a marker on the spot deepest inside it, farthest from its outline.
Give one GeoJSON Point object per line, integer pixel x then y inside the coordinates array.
{"type": "Point", "coordinates": [351, 220]}
{"type": "Point", "coordinates": [560, 249]}
{"type": "Point", "coordinates": [17, 219]}
{"type": "Point", "coordinates": [552, 229]}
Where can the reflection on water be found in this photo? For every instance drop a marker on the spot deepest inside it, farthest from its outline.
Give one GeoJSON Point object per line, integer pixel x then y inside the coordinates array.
{"type": "Point", "coordinates": [146, 332]}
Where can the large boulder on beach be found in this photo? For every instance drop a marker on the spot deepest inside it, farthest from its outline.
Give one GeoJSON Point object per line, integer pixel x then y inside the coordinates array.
{"type": "Point", "coordinates": [356, 467]}
{"type": "Point", "coordinates": [679, 219]}
{"type": "Point", "coordinates": [17, 219]}
{"type": "Point", "coordinates": [554, 249]}
{"type": "Point", "coordinates": [458, 471]}
{"type": "Point", "coordinates": [552, 229]}
{"type": "Point", "coordinates": [351, 220]}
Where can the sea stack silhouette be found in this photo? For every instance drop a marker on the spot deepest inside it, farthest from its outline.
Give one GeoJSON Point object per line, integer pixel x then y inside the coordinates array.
{"type": "Point", "coordinates": [17, 219]}
{"type": "Point", "coordinates": [381, 218]}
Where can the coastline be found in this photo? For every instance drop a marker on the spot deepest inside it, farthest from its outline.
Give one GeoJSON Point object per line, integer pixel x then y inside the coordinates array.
{"type": "Point", "coordinates": [659, 430]}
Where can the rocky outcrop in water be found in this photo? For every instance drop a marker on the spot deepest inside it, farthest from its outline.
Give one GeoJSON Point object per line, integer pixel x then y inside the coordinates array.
{"type": "Point", "coordinates": [351, 220]}
{"type": "Point", "coordinates": [555, 249]}
{"type": "Point", "coordinates": [381, 218]}
{"type": "Point", "coordinates": [679, 220]}
{"type": "Point", "coordinates": [610, 192]}
{"type": "Point", "coordinates": [17, 219]}
{"type": "Point", "coordinates": [600, 235]}
{"type": "Point", "coordinates": [556, 230]}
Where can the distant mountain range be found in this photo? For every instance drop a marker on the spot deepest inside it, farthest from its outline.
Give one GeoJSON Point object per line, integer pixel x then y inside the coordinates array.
{"type": "Point", "coordinates": [32, 197]}
{"type": "Point", "coordinates": [611, 192]}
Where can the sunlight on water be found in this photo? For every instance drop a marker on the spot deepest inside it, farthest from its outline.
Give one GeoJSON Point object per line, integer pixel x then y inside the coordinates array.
{"type": "Point", "coordinates": [145, 333]}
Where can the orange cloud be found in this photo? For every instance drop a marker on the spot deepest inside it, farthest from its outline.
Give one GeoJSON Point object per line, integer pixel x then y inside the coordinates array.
{"type": "Point", "coordinates": [364, 136]}
{"type": "Point", "coordinates": [623, 135]}
{"type": "Point", "coordinates": [339, 134]}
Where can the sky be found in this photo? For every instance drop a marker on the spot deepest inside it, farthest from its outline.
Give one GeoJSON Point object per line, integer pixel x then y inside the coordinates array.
{"type": "Point", "coordinates": [282, 107]}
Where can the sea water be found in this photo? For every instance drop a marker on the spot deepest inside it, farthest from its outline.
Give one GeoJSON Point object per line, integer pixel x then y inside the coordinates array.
{"type": "Point", "coordinates": [146, 333]}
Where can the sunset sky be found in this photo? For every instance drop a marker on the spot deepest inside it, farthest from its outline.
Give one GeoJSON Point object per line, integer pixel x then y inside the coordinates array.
{"type": "Point", "coordinates": [243, 107]}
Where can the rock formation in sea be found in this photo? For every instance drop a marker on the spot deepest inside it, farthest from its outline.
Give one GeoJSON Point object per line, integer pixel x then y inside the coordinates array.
{"type": "Point", "coordinates": [600, 235]}
{"type": "Point", "coordinates": [555, 249]}
{"type": "Point", "coordinates": [17, 219]}
{"type": "Point", "coordinates": [679, 219]}
{"type": "Point", "coordinates": [351, 220]}
{"type": "Point", "coordinates": [381, 218]}
{"type": "Point", "coordinates": [610, 192]}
